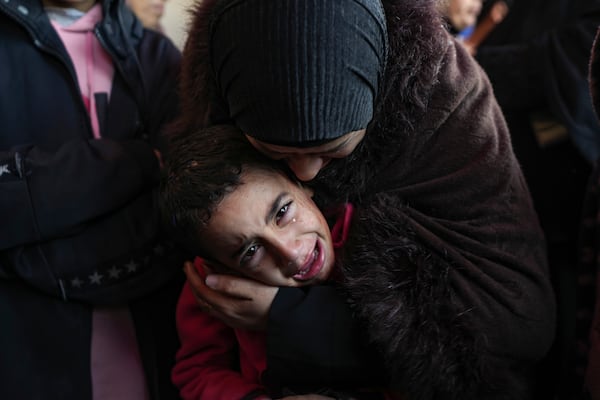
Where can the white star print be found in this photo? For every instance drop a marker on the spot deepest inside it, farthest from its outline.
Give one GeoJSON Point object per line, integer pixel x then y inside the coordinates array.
{"type": "Point", "coordinates": [4, 169]}
{"type": "Point", "coordinates": [96, 278]}
{"type": "Point", "coordinates": [76, 282]}
{"type": "Point", "coordinates": [131, 266]}
{"type": "Point", "coordinates": [114, 272]}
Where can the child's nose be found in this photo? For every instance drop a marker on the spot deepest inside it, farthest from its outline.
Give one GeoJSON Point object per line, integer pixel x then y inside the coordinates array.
{"type": "Point", "coordinates": [290, 252]}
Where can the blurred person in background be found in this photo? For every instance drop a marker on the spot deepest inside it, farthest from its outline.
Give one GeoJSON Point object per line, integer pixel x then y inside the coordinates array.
{"type": "Point", "coordinates": [461, 15]}
{"type": "Point", "coordinates": [537, 60]}
{"type": "Point", "coordinates": [149, 12]}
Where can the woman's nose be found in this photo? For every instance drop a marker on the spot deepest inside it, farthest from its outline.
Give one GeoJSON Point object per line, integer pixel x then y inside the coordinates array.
{"type": "Point", "coordinates": [305, 167]}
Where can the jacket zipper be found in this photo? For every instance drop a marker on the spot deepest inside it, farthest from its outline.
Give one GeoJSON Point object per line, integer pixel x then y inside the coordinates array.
{"type": "Point", "coordinates": [22, 21]}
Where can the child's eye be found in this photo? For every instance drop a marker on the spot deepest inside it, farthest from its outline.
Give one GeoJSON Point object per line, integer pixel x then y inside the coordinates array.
{"type": "Point", "coordinates": [251, 251]}
{"type": "Point", "coordinates": [250, 254]}
{"type": "Point", "coordinates": [282, 212]}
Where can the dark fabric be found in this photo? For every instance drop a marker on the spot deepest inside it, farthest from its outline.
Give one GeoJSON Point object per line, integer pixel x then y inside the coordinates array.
{"type": "Point", "coordinates": [37, 361]}
{"type": "Point", "coordinates": [594, 73]}
{"type": "Point", "coordinates": [279, 90]}
{"type": "Point", "coordinates": [588, 300]}
{"type": "Point", "coordinates": [469, 311]}
{"type": "Point", "coordinates": [77, 210]}
{"type": "Point", "coordinates": [339, 361]}
{"type": "Point", "coordinates": [157, 335]}
{"type": "Point", "coordinates": [537, 60]}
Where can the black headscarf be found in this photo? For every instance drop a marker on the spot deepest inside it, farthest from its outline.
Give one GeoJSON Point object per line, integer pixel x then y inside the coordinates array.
{"type": "Point", "coordinates": [298, 72]}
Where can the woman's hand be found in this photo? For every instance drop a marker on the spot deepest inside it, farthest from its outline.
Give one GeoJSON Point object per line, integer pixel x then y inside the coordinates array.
{"type": "Point", "coordinates": [238, 302]}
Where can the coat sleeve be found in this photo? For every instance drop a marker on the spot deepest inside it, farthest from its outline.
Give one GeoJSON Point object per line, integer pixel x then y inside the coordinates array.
{"type": "Point", "coordinates": [49, 194]}
{"type": "Point", "coordinates": [447, 261]}
{"type": "Point", "coordinates": [80, 219]}
{"type": "Point", "coordinates": [205, 366]}
{"type": "Point", "coordinates": [314, 340]}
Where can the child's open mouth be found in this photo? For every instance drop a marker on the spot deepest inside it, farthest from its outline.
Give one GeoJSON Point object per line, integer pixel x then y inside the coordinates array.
{"type": "Point", "coordinates": [313, 264]}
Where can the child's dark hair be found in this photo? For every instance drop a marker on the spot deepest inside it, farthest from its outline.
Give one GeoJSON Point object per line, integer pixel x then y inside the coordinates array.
{"type": "Point", "coordinates": [203, 167]}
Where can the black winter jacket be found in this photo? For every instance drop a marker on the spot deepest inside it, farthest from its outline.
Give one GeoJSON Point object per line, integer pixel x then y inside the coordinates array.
{"type": "Point", "coordinates": [446, 271]}
{"type": "Point", "coordinates": [79, 222]}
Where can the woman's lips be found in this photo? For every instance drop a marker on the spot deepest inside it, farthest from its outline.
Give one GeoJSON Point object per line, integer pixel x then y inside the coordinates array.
{"type": "Point", "coordinates": [313, 264]}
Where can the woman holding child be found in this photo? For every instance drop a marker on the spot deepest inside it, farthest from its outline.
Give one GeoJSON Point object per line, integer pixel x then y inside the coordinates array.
{"type": "Point", "coordinates": [377, 105]}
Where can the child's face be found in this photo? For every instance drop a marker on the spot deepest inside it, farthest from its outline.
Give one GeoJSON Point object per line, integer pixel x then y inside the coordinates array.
{"type": "Point", "coordinates": [269, 229]}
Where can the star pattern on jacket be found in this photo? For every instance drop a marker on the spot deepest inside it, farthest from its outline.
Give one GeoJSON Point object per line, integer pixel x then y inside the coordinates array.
{"type": "Point", "coordinates": [131, 266]}
{"type": "Point", "coordinates": [114, 272]}
{"type": "Point", "coordinates": [118, 271]}
{"type": "Point", "coordinates": [96, 278]}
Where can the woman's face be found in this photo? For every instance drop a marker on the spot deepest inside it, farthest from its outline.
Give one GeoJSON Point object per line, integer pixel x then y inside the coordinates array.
{"type": "Point", "coordinates": [269, 229]}
{"type": "Point", "coordinates": [149, 12]}
{"type": "Point", "coordinates": [307, 162]}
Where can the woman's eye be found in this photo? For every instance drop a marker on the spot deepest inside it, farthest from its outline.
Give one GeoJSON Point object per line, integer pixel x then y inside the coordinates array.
{"type": "Point", "coordinates": [282, 211]}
